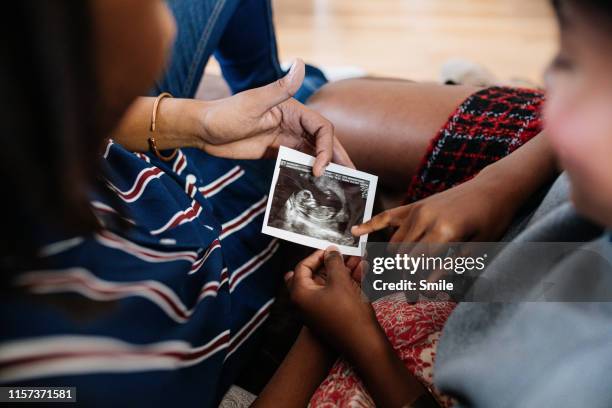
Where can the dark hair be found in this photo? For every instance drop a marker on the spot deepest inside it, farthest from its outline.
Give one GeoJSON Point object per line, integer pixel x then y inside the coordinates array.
{"type": "Point", "coordinates": [597, 9]}
{"type": "Point", "coordinates": [49, 132]}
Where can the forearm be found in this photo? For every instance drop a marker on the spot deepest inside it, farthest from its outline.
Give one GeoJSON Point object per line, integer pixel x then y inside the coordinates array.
{"type": "Point", "coordinates": [299, 375]}
{"type": "Point", "coordinates": [179, 124]}
{"type": "Point", "coordinates": [386, 378]}
{"type": "Point", "coordinates": [522, 173]}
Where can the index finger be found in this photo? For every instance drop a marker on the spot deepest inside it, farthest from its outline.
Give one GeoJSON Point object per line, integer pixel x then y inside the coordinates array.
{"type": "Point", "coordinates": [324, 148]}
{"type": "Point", "coordinates": [352, 262]}
{"type": "Point", "coordinates": [323, 132]}
{"type": "Point", "coordinates": [340, 156]}
{"type": "Point", "coordinates": [388, 218]}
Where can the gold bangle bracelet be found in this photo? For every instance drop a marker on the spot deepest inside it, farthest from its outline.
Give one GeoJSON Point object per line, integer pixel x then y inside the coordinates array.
{"type": "Point", "coordinates": [152, 143]}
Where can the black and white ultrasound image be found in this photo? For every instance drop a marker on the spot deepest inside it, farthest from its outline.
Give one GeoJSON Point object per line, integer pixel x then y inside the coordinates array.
{"type": "Point", "coordinates": [323, 207]}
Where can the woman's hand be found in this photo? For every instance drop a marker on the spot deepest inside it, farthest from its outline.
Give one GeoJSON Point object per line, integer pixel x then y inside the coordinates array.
{"type": "Point", "coordinates": [480, 209]}
{"type": "Point", "coordinates": [249, 125]}
{"type": "Point", "coordinates": [324, 290]}
{"type": "Point", "coordinates": [254, 123]}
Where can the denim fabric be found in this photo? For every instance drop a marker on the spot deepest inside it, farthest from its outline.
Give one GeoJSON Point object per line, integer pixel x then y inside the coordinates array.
{"type": "Point", "coordinates": [240, 34]}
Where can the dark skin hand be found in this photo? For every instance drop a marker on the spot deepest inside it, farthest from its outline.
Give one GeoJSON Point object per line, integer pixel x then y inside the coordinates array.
{"type": "Point", "coordinates": [398, 120]}
{"type": "Point", "coordinates": [480, 209]}
{"type": "Point", "coordinates": [334, 309]}
{"type": "Point", "coordinates": [307, 363]}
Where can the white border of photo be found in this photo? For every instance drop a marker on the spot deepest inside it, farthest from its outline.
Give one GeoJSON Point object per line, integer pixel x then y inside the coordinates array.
{"type": "Point", "coordinates": [288, 154]}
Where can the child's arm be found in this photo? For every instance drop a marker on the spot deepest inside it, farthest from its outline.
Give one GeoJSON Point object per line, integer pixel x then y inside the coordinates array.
{"type": "Point", "coordinates": [480, 209]}
{"type": "Point", "coordinates": [385, 376]}
{"type": "Point", "coordinates": [334, 309]}
{"type": "Point", "coordinates": [299, 375]}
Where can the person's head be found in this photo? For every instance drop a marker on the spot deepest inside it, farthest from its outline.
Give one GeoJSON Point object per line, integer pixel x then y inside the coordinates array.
{"type": "Point", "coordinates": [69, 71]}
{"type": "Point", "coordinates": [132, 40]}
{"type": "Point", "coordinates": [579, 103]}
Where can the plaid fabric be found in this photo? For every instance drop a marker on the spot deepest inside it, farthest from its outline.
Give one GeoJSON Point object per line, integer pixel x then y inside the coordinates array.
{"type": "Point", "coordinates": [487, 126]}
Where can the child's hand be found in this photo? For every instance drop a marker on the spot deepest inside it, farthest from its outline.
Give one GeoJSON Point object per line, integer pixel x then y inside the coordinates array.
{"type": "Point", "coordinates": [333, 306]}
{"type": "Point", "coordinates": [477, 210]}
{"type": "Point", "coordinates": [334, 310]}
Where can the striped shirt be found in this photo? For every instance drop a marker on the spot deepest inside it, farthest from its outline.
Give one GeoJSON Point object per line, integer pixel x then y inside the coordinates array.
{"type": "Point", "coordinates": [162, 313]}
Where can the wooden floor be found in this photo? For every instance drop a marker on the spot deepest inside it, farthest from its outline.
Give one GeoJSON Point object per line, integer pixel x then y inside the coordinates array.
{"type": "Point", "coordinates": [412, 38]}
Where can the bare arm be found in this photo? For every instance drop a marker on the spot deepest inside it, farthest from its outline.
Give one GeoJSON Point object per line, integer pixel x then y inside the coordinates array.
{"type": "Point", "coordinates": [481, 209]}
{"type": "Point", "coordinates": [386, 378]}
{"type": "Point", "coordinates": [248, 125]}
{"type": "Point", "coordinates": [299, 375]}
{"type": "Point", "coordinates": [179, 124]}
{"type": "Point", "coordinates": [524, 171]}
{"type": "Point", "coordinates": [335, 310]}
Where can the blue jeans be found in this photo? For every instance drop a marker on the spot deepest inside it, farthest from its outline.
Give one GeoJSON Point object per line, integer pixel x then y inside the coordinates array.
{"type": "Point", "coordinates": [240, 33]}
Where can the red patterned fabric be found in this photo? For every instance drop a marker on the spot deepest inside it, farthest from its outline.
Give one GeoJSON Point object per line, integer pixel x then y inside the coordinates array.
{"type": "Point", "coordinates": [413, 329]}
{"type": "Point", "coordinates": [487, 126]}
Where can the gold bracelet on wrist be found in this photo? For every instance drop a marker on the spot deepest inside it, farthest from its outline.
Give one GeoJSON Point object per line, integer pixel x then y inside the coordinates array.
{"type": "Point", "coordinates": [152, 144]}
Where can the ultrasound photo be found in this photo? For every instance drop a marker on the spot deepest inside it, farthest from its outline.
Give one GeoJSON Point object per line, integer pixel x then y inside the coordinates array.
{"type": "Point", "coordinates": [323, 207]}
{"type": "Point", "coordinates": [319, 208]}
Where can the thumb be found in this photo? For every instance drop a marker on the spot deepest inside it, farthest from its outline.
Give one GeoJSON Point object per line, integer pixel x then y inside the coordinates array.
{"type": "Point", "coordinates": [334, 265]}
{"type": "Point", "coordinates": [282, 89]}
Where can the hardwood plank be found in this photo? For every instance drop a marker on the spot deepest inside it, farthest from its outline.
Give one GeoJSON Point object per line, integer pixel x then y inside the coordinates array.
{"type": "Point", "coordinates": [413, 38]}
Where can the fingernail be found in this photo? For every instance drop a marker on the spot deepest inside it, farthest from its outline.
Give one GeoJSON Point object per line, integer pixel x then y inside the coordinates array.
{"type": "Point", "coordinates": [332, 248]}
{"type": "Point", "coordinates": [292, 68]}
{"type": "Point", "coordinates": [321, 170]}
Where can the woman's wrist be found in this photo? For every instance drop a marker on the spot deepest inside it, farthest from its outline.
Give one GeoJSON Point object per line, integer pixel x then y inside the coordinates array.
{"type": "Point", "coordinates": [180, 123]}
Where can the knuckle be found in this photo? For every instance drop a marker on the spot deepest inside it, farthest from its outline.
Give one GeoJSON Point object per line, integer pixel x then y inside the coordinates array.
{"type": "Point", "coordinates": [423, 212]}
{"type": "Point", "coordinates": [447, 230]}
{"type": "Point", "coordinates": [281, 83]}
